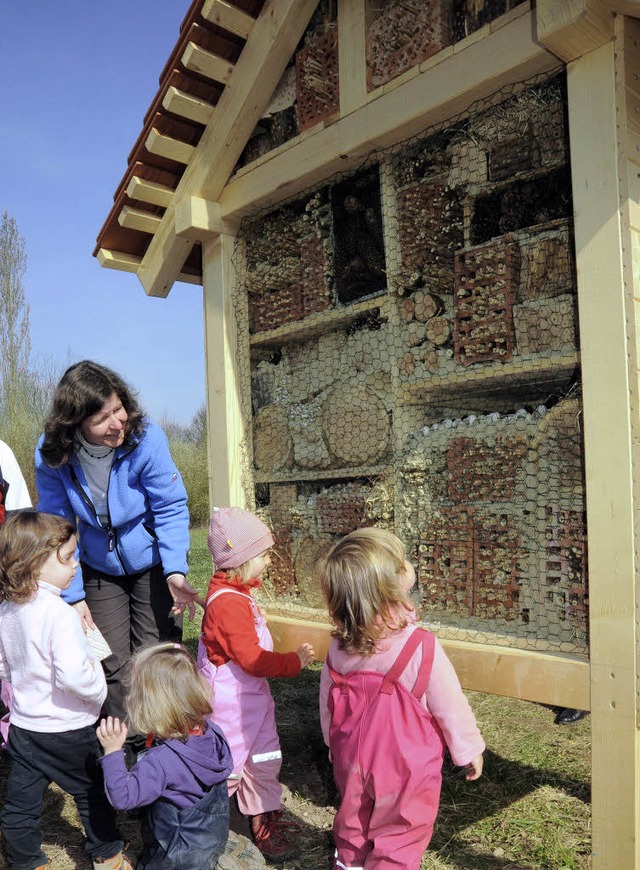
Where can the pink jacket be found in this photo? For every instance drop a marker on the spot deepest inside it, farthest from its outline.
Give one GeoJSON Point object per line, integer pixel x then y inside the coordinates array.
{"type": "Point", "coordinates": [444, 697]}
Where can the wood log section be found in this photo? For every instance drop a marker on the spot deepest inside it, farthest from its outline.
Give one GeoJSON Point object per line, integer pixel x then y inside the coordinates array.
{"type": "Point", "coordinates": [356, 425]}
{"type": "Point", "coordinates": [426, 306]}
{"type": "Point", "coordinates": [439, 331]}
{"type": "Point", "coordinates": [310, 552]}
{"type": "Point", "coordinates": [406, 308]}
{"type": "Point", "coordinates": [272, 442]}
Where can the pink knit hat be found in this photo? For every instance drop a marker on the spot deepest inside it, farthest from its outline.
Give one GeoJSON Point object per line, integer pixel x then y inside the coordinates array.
{"type": "Point", "coordinates": [235, 536]}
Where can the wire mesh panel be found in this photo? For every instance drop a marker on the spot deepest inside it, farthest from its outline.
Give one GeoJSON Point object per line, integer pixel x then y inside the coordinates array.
{"type": "Point", "coordinates": [414, 365]}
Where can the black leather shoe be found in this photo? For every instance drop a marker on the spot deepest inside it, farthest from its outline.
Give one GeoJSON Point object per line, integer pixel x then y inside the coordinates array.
{"type": "Point", "coordinates": [568, 716]}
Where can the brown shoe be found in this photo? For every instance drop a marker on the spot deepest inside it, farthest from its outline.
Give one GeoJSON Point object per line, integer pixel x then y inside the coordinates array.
{"type": "Point", "coordinates": [269, 832]}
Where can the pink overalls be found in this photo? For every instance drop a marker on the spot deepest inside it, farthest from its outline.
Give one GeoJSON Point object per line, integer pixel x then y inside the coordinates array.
{"type": "Point", "coordinates": [244, 709]}
{"type": "Point", "coordinates": [387, 753]}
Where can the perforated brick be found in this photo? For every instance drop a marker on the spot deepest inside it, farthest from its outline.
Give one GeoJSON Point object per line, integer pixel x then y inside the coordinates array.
{"type": "Point", "coordinates": [486, 284]}
{"type": "Point", "coordinates": [484, 472]}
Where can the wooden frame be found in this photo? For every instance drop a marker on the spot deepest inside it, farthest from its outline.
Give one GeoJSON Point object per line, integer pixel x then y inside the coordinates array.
{"type": "Point", "coordinates": [603, 55]}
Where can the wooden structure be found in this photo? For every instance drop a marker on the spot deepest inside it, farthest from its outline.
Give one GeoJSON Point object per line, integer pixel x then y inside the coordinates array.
{"type": "Point", "coordinates": [192, 177]}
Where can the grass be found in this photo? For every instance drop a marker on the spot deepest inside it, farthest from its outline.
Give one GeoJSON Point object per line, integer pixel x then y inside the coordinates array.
{"type": "Point", "coordinates": [529, 810]}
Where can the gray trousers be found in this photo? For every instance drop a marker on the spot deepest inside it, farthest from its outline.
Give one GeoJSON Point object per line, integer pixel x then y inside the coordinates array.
{"type": "Point", "coordinates": [131, 611]}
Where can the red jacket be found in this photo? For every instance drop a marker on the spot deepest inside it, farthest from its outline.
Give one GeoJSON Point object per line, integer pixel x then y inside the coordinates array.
{"type": "Point", "coordinates": [229, 634]}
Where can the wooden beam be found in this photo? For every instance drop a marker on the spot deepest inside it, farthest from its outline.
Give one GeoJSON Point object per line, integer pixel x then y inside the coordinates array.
{"type": "Point", "coordinates": [129, 263]}
{"type": "Point", "coordinates": [515, 673]}
{"type": "Point", "coordinates": [469, 72]}
{"type": "Point", "coordinates": [352, 23]}
{"type": "Point", "coordinates": [136, 219]}
{"type": "Point", "coordinates": [187, 106]}
{"type": "Point", "coordinates": [626, 7]}
{"type": "Point", "coordinates": [198, 219]}
{"type": "Point", "coordinates": [118, 260]}
{"type": "Point", "coordinates": [164, 146]}
{"type": "Point", "coordinates": [206, 63]}
{"type": "Point", "coordinates": [225, 424]}
{"type": "Point", "coordinates": [272, 41]}
{"type": "Point", "coordinates": [149, 191]}
{"type": "Point", "coordinates": [228, 17]}
{"type": "Point", "coordinates": [571, 28]}
{"type": "Point", "coordinates": [608, 340]}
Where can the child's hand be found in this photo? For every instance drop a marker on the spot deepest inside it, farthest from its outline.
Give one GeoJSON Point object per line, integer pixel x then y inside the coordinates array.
{"type": "Point", "coordinates": [306, 654]}
{"type": "Point", "coordinates": [111, 733]}
{"type": "Point", "coordinates": [475, 768]}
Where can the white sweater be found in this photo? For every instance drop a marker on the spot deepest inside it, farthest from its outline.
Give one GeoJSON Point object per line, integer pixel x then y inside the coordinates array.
{"type": "Point", "coordinates": [57, 683]}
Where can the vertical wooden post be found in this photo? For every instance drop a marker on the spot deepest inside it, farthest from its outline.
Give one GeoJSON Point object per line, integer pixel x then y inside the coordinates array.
{"type": "Point", "coordinates": [611, 432]}
{"type": "Point", "coordinates": [226, 428]}
{"type": "Point", "coordinates": [353, 19]}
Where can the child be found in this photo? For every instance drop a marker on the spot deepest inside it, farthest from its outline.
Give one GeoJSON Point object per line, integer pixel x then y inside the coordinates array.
{"type": "Point", "coordinates": [58, 689]}
{"type": "Point", "coordinates": [236, 656]}
{"type": "Point", "coordinates": [181, 778]}
{"type": "Point", "coordinates": [389, 700]}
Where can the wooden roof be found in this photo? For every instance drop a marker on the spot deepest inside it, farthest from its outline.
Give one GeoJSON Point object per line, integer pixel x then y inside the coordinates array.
{"type": "Point", "coordinates": [211, 40]}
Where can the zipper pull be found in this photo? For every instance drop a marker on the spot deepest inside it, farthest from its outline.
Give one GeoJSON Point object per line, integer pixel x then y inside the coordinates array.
{"type": "Point", "coordinates": [111, 539]}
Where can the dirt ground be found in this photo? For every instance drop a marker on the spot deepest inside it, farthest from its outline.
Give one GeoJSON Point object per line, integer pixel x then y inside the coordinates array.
{"type": "Point", "coordinates": [529, 810]}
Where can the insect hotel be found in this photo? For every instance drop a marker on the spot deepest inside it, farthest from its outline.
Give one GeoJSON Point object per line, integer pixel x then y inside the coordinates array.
{"type": "Point", "coordinates": [417, 228]}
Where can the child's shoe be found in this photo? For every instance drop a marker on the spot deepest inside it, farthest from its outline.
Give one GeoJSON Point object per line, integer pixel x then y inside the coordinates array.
{"type": "Point", "coordinates": [118, 862]}
{"type": "Point", "coordinates": [269, 831]}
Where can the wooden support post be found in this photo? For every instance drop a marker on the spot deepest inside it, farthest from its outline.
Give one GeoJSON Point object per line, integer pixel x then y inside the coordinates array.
{"type": "Point", "coordinates": [351, 55]}
{"type": "Point", "coordinates": [571, 28]}
{"type": "Point", "coordinates": [226, 431]}
{"type": "Point", "coordinates": [611, 433]}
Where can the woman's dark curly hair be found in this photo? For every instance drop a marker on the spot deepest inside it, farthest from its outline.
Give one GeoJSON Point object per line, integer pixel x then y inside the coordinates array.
{"type": "Point", "coordinates": [81, 393]}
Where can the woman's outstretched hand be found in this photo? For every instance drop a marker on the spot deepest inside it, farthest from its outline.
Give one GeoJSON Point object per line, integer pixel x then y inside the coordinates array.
{"type": "Point", "coordinates": [184, 596]}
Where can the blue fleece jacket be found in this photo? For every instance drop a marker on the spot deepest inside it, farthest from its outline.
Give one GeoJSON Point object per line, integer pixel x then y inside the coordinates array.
{"type": "Point", "coordinates": [147, 502]}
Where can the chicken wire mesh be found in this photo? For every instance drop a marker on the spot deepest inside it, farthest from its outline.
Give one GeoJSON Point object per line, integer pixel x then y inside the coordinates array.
{"type": "Point", "coordinates": [413, 358]}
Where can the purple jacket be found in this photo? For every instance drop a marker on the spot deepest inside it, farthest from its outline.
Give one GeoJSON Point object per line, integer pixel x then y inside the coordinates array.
{"type": "Point", "coordinates": [178, 772]}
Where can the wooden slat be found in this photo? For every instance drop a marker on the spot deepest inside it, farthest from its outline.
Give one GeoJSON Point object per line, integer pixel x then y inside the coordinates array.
{"type": "Point", "coordinates": [149, 191]}
{"type": "Point", "coordinates": [546, 679]}
{"type": "Point", "coordinates": [179, 103]}
{"type": "Point", "coordinates": [228, 17]}
{"type": "Point", "coordinates": [171, 149]}
{"type": "Point", "coordinates": [571, 28]}
{"type": "Point", "coordinates": [270, 45]}
{"type": "Point", "coordinates": [206, 63]}
{"type": "Point", "coordinates": [136, 219]}
{"type": "Point", "coordinates": [611, 435]}
{"type": "Point", "coordinates": [509, 55]}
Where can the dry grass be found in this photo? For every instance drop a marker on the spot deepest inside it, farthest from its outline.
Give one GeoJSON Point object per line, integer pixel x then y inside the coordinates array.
{"type": "Point", "coordinates": [529, 810]}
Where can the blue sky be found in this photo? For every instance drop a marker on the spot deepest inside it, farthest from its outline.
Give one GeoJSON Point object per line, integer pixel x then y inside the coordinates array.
{"type": "Point", "coordinates": [78, 79]}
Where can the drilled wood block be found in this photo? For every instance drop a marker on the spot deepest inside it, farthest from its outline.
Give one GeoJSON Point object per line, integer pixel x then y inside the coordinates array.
{"type": "Point", "coordinates": [282, 499]}
{"type": "Point", "coordinates": [486, 284]}
{"type": "Point", "coordinates": [317, 85]}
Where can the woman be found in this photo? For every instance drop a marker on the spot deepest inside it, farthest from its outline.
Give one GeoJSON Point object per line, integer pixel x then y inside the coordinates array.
{"type": "Point", "coordinates": [100, 461]}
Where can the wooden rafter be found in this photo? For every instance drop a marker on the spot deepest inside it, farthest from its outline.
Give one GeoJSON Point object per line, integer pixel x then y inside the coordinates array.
{"type": "Point", "coordinates": [187, 106]}
{"type": "Point", "coordinates": [206, 63]}
{"type": "Point", "coordinates": [229, 17]}
{"type": "Point", "coordinates": [269, 47]}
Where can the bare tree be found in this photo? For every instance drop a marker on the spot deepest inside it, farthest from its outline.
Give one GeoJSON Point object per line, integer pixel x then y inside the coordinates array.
{"type": "Point", "coordinates": [15, 338]}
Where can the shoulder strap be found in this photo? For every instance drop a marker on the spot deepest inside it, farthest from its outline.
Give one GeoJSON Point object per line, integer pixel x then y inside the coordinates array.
{"type": "Point", "coordinates": [222, 592]}
{"type": "Point", "coordinates": [415, 639]}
